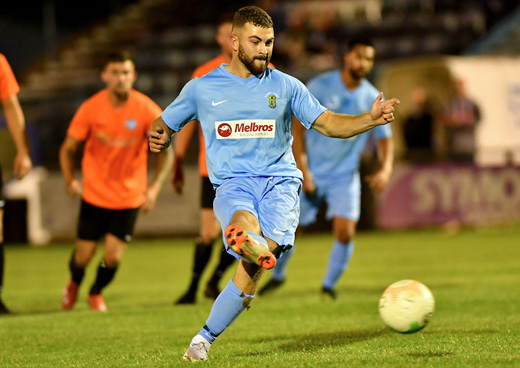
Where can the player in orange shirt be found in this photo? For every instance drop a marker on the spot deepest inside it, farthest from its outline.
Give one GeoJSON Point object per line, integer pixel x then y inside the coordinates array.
{"type": "Point", "coordinates": [209, 227]}
{"type": "Point", "coordinates": [114, 124]}
{"type": "Point", "coordinates": [9, 89]}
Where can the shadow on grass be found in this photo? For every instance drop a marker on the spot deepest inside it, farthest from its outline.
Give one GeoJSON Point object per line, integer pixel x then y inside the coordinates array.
{"type": "Point", "coordinates": [316, 341]}
{"type": "Point", "coordinates": [348, 290]}
{"type": "Point", "coordinates": [320, 340]}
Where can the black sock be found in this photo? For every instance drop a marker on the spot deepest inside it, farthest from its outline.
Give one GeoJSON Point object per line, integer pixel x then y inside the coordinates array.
{"type": "Point", "coordinates": [226, 260]}
{"type": "Point", "coordinates": [76, 271]}
{"type": "Point", "coordinates": [200, 261]}
{"type": "Point", "coordinates": [104, 276]}
{"type": "Point", "coordinates": [1, 265]}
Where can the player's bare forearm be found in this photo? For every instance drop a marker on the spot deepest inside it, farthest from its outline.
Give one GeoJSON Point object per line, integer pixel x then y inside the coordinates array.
{"type": "Point", "coordinates": [15, 123]}
{"type": "Point", "coordinates": [343, 125]}
{"type": "Point", "coordinates": [385, 154]}
{"type": "Point", "coordinates": [160, 136]}
{"type": "Point", "coordinates": [298, 143]}
{"type": "Point", "coordinates": [163, 167]}
{"type": "Point", "coordinates": [67, 157]}
{"type": "Point", "coordinates": [346, 126]}
{"type": "Point", "coordinates": [300, 155]}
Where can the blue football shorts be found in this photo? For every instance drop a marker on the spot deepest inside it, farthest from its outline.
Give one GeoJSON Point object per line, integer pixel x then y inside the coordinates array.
{"type": "Point", "coordinates": [342, 195]}
{"type": "Point", "coordinates": [274, 201]}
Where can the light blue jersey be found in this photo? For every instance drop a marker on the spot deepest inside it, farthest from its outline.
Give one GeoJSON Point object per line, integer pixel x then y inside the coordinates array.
{"type": "Point", "coordinates": [333, 157]}
{"type": "Point", "coordinates": [246, 122]}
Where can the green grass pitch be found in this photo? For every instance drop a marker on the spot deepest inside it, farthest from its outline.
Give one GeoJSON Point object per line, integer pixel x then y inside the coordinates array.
{"type": "Point", "coordinates": [474, 276]}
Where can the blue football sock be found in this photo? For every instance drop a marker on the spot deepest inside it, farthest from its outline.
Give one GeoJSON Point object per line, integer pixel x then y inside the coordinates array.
{"type": "Point", "coordinates": [280, 270]}
{"type": "Point", "coordinates": [226, 308]}
{"type": "Point", "coordinates": [338, 261]}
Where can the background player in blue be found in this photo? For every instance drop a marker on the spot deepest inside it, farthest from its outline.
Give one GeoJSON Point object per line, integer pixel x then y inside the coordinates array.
{"type": "Point", "coordinates": [245, 110]}
{"type": "Point", "coordinates": [331, 166]}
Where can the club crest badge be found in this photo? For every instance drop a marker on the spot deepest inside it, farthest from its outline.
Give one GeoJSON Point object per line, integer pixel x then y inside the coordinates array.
{"type": "Point", "coordinates": [272, 101]}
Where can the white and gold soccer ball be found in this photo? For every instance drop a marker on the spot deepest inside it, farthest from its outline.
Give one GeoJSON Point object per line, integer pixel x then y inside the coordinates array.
{"type": "Point", "coordinates": [406, 306]}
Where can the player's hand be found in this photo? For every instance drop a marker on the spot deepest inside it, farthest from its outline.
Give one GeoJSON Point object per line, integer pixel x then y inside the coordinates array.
{"type": "Point", "coordinates": [178, 176]}
{"type": "Point", "coordinates": [22, 165]}
{"type": "Point", "coordinates": [74, 188]}
{"type": "Point", "coordinates": [308, 184]}
{"type": "Point", "coordinates": [378, 181]}
{"type": "Point", "coordinates": [382, 112]}
{"type": "Point", "coordinates": [158, 140]}
{"type": "Point", "coordinates": [152, 192]}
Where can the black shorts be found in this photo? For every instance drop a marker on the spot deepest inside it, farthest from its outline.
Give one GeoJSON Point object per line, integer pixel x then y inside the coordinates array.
{"type": "Point", "coordinates": [207, 193]}
{"type": "Point", "coordinates": [95, 222]}
{"type": "Point", "coordinates": [2, 199]}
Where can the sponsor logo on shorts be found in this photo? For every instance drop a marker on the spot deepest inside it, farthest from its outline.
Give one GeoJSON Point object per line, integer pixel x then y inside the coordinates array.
{"type": "Point", "coordinates": [241, 129]}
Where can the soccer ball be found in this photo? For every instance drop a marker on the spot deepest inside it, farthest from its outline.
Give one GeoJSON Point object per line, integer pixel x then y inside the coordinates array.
{"type": "Point", "coordinates": [406, 306]}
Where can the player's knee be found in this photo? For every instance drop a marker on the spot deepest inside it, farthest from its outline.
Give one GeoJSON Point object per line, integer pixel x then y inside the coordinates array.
{"type": "Point", "coordinates": [82, 258]}
{"type": "Point", "coordinates": [345, 235]}
{"type": "Point", "coordinates": [112, 260]}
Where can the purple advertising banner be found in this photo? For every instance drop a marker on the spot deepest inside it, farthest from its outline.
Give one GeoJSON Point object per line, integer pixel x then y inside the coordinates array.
{"type": "Point", "coordinates": [435, 194]}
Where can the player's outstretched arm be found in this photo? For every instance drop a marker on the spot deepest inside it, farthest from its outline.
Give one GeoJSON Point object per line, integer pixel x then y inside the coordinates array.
{"type": "Point", "coordinates": [346, 126]}
{"type": "Point", "coordinates": [160, 136]}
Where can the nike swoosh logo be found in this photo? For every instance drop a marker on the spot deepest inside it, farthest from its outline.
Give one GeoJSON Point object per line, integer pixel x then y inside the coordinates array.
{"type": "Point", "coordinates": [213, 103]}
{"type": "Point", "coordinates": [278, 232]}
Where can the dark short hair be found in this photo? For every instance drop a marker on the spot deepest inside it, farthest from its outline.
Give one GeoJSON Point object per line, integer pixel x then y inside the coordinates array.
{"type": "Point", "coordinates": [118, 56]}
{"type": "Point", "coordinates": [365, 41]}
{"type": "Point", "coordinates": [254, 15]}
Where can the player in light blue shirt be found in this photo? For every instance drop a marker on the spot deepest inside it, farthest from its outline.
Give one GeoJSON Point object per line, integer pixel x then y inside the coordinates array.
{"type": "Point", "coordinates": [245, 110]}
{"type": "Point", "coordinates": [331, 166]}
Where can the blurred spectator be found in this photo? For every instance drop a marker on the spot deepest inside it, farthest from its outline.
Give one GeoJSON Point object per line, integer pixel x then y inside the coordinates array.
{"type": "Point", "coordinates": [418, 128]}
{"type": "Point", "coordinates": [459, 121]}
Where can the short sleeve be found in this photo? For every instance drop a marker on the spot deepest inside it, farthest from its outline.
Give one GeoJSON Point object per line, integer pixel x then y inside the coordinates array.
{"type": "Point", "coordinates": [184, 108]}
{"type": "Point", "coordinates": [304, 105]}
{"type": "Point", "coordinates": [8, 84]}
{"type": "Point", "coordinates": [79, 126]}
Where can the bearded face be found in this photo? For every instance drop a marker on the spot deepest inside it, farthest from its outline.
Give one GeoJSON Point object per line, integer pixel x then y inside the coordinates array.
{"type": "Point", "coordinates": [256, 64]}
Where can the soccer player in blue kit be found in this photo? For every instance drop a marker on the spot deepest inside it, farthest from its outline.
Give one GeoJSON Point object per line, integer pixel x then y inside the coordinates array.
{"type": "Point", "coordinates": [245, 110]}
{"type": "Point", "coordinates": [331, 166]}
